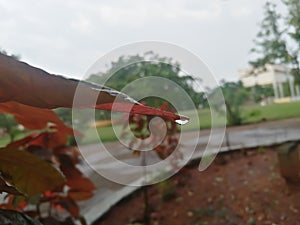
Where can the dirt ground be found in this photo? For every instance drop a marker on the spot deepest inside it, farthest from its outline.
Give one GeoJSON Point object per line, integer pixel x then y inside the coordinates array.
{"type": "Point", "coordinates": [243, 187]}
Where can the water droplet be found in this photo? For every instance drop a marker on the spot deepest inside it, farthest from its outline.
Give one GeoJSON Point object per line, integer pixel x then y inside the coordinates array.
{"type": "Point", "coordinates": [182, 121]}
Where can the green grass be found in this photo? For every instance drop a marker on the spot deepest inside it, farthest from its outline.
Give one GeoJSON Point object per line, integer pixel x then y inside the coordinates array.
{"type": "Point", "coordinates": [104, 133]}
{"type": "Point", "coordinates": [204, 116]}
{"type": "Point", "coordinates": [271, 112]}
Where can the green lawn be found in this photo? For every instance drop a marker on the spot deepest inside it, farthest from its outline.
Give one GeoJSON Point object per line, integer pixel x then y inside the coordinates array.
{"type": "Point", "coordinates": [271, 112]}
{"type": "Point", "coordinates": [105, 133]}
{"type": "Point", "coordinates": [204, 116]}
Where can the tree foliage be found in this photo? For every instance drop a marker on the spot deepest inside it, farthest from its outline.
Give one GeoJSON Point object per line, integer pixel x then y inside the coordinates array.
{"type": "Point", "coordinates": [292, 21]}
{"type": "Point", "coordinates": [258, 93]}
{"type": "Point", "coordinates": [235, 95]}
{"type": "Point", "coordinates": [278, 40]}
{"type": "Point", "coordinates": [269, 43]}
{"type": "Point", "coordinates": [130, 68]}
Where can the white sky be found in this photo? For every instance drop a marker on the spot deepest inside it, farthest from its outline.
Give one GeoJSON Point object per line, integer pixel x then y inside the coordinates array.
{"type": "Point", "coordinates": [66, 37]}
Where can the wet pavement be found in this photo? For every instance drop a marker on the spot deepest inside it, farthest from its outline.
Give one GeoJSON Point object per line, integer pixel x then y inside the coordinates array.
{"type": "Point", "coordinates": [108, 192]}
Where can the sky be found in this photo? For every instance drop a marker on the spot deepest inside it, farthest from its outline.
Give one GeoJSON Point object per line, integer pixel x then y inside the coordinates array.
{"type": "Point", "coordinates": [67, 37]}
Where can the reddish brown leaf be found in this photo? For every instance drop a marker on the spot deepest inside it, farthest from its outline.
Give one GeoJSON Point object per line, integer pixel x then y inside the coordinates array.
{"type": "Point", "coordinates": [33, 118]}
{"type": "Point", "coordinates": [30, 174]}
{"type": "Point", "coordinates": [80, 195]}
{"type": "Point", "coordinates": [81, 184]}
{"type": "Point", "coordinates": [50, 140]}
{"type": "Point", "coordinates": [140, 109]}
{"type": "Point", "coordinates": [80, 188]}
{"type": "Point", "coordinates": [70, 172]}
{"type": "Point", "coordinates": [49, 194]}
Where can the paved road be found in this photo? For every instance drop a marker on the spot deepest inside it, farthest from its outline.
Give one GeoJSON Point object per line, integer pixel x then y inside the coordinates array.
{"type": "Point", "coordinates": [108, 192]}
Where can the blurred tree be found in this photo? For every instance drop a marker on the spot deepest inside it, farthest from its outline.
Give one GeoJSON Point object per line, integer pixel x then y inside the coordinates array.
{"type": "Point", "coordinates": [292, 21]}
{"type": "Point", "coordinates": [129, 68]}
{"type": "Point", "coordinates": [270, 47]}
{"type": "Point", "coordinates": [203, 100]}
{"type": "Point", "coordinates": [259, 93]}
{"type": "Point", "coordinates": [235, 95]}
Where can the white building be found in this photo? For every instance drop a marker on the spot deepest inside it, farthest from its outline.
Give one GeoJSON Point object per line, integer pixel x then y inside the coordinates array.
{"type": "Point", "coordinates": [276, 75]}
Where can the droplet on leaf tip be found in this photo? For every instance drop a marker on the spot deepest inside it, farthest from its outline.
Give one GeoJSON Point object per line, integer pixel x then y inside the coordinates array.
{"type": "Point", "coordinates": [182, 121]}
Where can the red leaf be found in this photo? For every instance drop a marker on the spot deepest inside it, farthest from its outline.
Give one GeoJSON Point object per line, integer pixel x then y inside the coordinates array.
{"type": "Point", "coordinates": [48, 194]}
{"type": "Point", "coordinates": [80, 195]}
{"type": "Point", "coordinates": [140, 109]}
{"type": "Point", "coordinates": [68, 157]}
{"type": "Point", "coordinates": [80, 188]}
{"type": "Point", "coordinates": [33, 118]}
{"type": "Point", "coordinates": [49, 140]}
{"type": "Point", "coordinates": [81, 184]}
{"type": "Point", "coordinates": [70, 172]}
